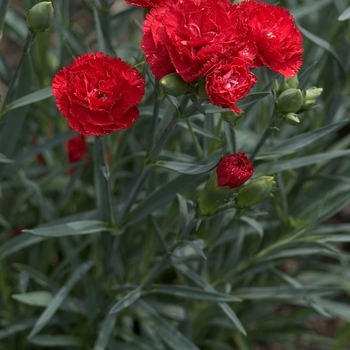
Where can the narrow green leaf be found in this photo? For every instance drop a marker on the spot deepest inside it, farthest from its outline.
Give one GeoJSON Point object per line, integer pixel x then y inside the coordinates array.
{"type": "Point", "coordinates": [344, 15]}
{"type": "Point", "coordinates": [18, 243]}
{"type": "Point", "coordinates": [198, 246]}
{"type": "Point", "coordinates": [17, 327]}
{"type": "Point", "coordinates": [184, 168]}
{"type": "Point", "coordinates": [282, 165]}
{"type": "Point", "coordinates": [44, 298]}
{"type": "Point", "coordinates": [127, 300]}
{"type": "Point", "coordinates": [206, 286]}
{"type": "Point", "coordinates": [74, 42]}
{"type": "Point", "coordinates": [252, 99]}
{"type": "Point", "coordinates": [170, 335]}
{"type": "Point", "coordinates": [105, 332]}
{"type": "Point", "coordinates": [59, 298]}
{"type": "Point", "coordinates": [198, 130]}
{"type": "Point", "coordinates": [37, 276]}
{"type": "Point", "coordinates": [37, 298]}
{"type": "Point", "coordinates": [56, 340]}
{"type": "Point", "coordinates": [30, 98]}
{"type": "Point", "coordinates": [100, 40]}
{"type": "Point", "coordinates": [299, 142]}
{"type": "Point", "coordinates": [283, 292]}
{"type": "Point", "coordinates": [323, 44]}
{"type": "Point", "coordinates": [70, 229]}
{"type": "Point", "coordinates": [193, 293]}
{"type": "Point", "coordinates": [310, 8]}
{"type": "Point", "coordinates": [164, 195]}
{"type": "Point", "coordinates": [336, 309]}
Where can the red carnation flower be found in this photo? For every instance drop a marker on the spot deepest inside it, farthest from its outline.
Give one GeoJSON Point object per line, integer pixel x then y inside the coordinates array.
{"type": "Point", "coordinates": [147, 3]}
{"type": "Point", "coordinates": [277, 38]}
{"type": "Point", "coordinates": [191, 37]}
{"type": "Point", "coordinates": [228, 82]}
{"type": "Point", "coordinates": [234, 170]}
{"type": "Point", "coordinates": [97, 94]}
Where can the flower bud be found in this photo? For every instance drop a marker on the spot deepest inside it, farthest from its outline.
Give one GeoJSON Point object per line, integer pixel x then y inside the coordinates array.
{"type": "Point", "coordinates": [211, 197]}
{"type": "Point", "coordinates": [308, 104]}
{"type": "Point", "coordinates": [310, 96]}
{"type": "Point", "coordinates": [232, 171]}
{"type": "Point", "coordinates": [293, 82]}
{"type": "Point", "coordinates": [291, 118]}
{"type": "Point", "coordinates": [312, 93]}
{"type": "Point", "coordinates": [40, 17]}
{"type": "Point", "coordinates": [290, 101]}
{"type": "Point", "coordinates": [173, 84]}
{"type": "Point", "coordinates": [255, 192]}
{"type": "Point", "coordinates": [200, 90]}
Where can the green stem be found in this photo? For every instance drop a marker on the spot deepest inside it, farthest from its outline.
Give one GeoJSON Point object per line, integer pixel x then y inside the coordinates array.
{"type": "Point", "coordinates": [159, 266]}
{"type": "Point", "coordinates": [196, 143]}
{"type": "Point", "coordinates": [102, 185]}
{"type": "Point", "coordinates": [155, 116]}
{"type": "Point", "coordinates": [267, 133]}
{"type": "Point", "coordinates": [230, 131]}
{"type": "Point", "coordinates": [25, 51]}
{"type": "Point", "coordinates": [152, 157]}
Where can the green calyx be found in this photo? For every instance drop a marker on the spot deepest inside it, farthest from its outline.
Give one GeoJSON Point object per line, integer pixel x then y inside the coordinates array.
{"type": "Point", "coordinates": [40, 17]}
{"type": "Point", "coordinates": [255, 192]}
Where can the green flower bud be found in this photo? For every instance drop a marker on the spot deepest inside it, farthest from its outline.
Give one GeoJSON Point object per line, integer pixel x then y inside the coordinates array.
{"type": "Point", "coordinates": [293, 82]}
{"type": "Point", "coordinates": [255, 192]}
{"type": "Point", "coordinates": [308, 104]}
{"type": "Point", "coordinates": [290, 101]}
{"type": "Point", "coordinates": [40, 17]}
{"type": "Point", "coordinates": [211, 197]}
{"type": "Point", "coordinates": [173, 84]}
{"type": "Point", "coordinates": [312, 93]}
{"type": "Point", "coordinates": [291, 118]}
{"type": "Point", "coordinates": [200, 90]}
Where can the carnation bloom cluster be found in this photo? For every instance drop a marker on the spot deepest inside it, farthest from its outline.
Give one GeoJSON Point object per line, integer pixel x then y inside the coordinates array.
{"type": "Point", "coordinates": [221, 43]}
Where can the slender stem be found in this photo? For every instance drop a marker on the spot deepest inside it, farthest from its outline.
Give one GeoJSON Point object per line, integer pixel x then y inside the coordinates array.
{"type": "Point", "coordinates": [196, 143]}
{"type": "Point", "coordinates": [153, 156]}
{"type": "Point", "coordinates": [265, 135]}
{"type": "Point", "coordinates": [159, 266]}
{"type": "Point", "coordinates": [230, 131]}
{"type": "Point", "coordinates": [101, 178]}
{"type": "Point", "coordinates": [168, 130]}
{"type": "Point", "coordinates": [25, 51]}
{"type": "Point", "coordinates": [132, 196]}
{"type": "Point", "coordinates": [154, 120]}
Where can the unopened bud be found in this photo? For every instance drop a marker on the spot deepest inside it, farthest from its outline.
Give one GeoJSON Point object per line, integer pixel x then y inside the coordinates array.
{"type": "Point", "coordinates": [173, 84]}
{"type": "Point", "coordinates": [312, 93]}
{"type": "Point", "coordinates": [290, 101]}
{"type": "Point", "coordinates": [293, 82]}
{"type": "Point", "coordinates": [211, 197]}
{"type": "Point", "coordinates": [308, 104]}
{"type": "Point", "coordinates": [291, 118]}
{"type": "Point", "coordinates": [40, 16]}
{"type": "Point", "coordinates": [255, 192]}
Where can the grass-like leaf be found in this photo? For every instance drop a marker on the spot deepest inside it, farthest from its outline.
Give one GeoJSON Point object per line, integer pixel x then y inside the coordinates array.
{"type": "Point", "coordinates": [59, 298]}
